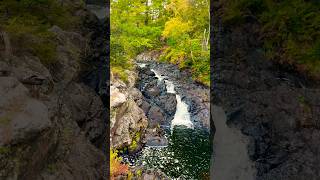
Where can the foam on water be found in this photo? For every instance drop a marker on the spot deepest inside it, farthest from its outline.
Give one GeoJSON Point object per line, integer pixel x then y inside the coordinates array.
{"type": "Point", "coordinates": [160, 77]}
{"type": "Point", "coordinates": [182, 115]}
{"type": "Point", "coordinates": [142, 65]}
{"type": "Point", "coordinates": [170, 87]}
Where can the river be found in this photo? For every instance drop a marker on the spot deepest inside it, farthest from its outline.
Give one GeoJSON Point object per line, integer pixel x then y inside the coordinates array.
{"type": "Point", "coordinates": [188, 151]}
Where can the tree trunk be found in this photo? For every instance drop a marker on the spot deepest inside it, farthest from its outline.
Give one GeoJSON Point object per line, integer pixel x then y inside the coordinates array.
{"type": "Point", "coordinates": [147, 13]}
{"type": "Point", "coordinates": [204, 40]}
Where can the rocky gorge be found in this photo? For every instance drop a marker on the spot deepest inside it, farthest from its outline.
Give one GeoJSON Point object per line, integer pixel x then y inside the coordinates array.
{"type": "Point", "coordinates": [147, 106]}
{"type": "Point", "coordinates": [52, 119]}
{"type": "Point", "coordinates": [273, 106]}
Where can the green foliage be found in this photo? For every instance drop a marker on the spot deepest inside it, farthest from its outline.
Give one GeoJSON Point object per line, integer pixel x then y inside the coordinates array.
{"type": "Point", "coordinates": [175, 28]}
{"type": "Point", "coordinates": [5, 120]}
{"type": "Point", "coordinates": [28, 21]}
{"type": "Point", "coordinates": [133, 146]}
{"type": "Point", "coordinates": [187, 36]}
{"type": "Point", "coordinates": [135, 139]}
{"type": "Point", "coordinates": [120, 73]}
{"type": "Point", "coordinates": [27, 34]}
{"type": "Point", "coordinates": [133, 33]}
{"type": "Point", "coordinates": [49, 12]}
{"type": "Point", "coordinates": [139, 173]}
{"type": "Point", "coordinates": [4, 150]}
{"type": "Point", "coordinates": [52, 168]}
{"type": "Point", "coordinates": [182, 26]}
{"type": "Point", "coordinates": [290, 29]}
{"type": "Point", "coordinates": [302, 99]}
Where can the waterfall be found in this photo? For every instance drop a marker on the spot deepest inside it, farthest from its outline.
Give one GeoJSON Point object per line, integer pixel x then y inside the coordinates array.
{"type": "Point", "coordinates": [183, 140]}
{"type": "Point", "coordinates": [160, 77]}
{"type": "Point", "coordinates": [182, 115]}
{"type": "Point", "coordinates": [142, 65]}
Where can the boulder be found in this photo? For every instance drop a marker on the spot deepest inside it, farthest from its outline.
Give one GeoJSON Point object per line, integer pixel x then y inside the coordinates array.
{"type": "Point", "coordinates": [156, 141]}
{"type": "Point", "coordinates": [5, 69]}
{"type": "Point", "coordinates": [155, 116]}
{"type": "Point", "coordinates": [47, 119]}
{"type": "Point", "coordinates": [145, 106]}
{"type": "Point", "coordinates": [154, 137]}
{"type": "Point", "coordinates": [88, 110]}
{"type": "Point", "coordinates": [152, 92]}
{"type": "Point", "coordinates": [129, 119]}
{"type": "Point", "coordinates": [69, 49]}
{"type": "Point", "coordinates": [168, 102]}
{"type": "Point", "coordinates": [116, 97]}
{"type": "Point", "coordinates": [135, 94]}
{"type": "Point", "coordinates": [21, 117]}
{"type": "Point", "coordinates": [147, 71]}
{"type": "Point", "coordinates": [84, 161]}
{"type": "Point", "coordinates": [152, 174]}
{"type": "Point", "coordinates": [33, 74]}
{"type": "Point", "coordinates": [132, 76]}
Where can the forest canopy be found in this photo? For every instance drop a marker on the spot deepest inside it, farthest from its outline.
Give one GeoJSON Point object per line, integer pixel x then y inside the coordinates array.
{"type": "Point", "coordinates": [177, 28]}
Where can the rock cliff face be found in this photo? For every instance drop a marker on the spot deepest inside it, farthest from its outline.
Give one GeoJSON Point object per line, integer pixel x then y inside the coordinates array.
{"type": "Point", "coordinates": [277, 108]}
{"type": "Point", "coordinates": [127, 118]}
{"type": "Point", "coordinates": [52, 126]}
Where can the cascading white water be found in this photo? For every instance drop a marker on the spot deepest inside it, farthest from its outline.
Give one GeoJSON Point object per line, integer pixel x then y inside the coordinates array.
{"type": "Point", "coordinates": [184, 143]}
{"type": "Point", "coordinates": [142, 65]}
{"type": "Point", "coordinates": [182, 115]}
{"type": "Point", "coordinates": [169, 87]}
{"type": "Point", "coordinates": [160, 77]}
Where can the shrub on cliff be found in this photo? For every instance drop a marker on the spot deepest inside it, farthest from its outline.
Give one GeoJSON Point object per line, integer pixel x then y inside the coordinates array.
{"type": "Point", "coordinates": [28, 21]}
{"type": "Point", "coordinates": [116, 166]}
{"type": "Point", "coordinates": [290, 29]}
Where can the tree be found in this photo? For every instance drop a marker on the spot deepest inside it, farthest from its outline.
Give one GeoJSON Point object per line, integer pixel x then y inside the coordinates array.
{"type": "Point", "coordinates": [184, 24]}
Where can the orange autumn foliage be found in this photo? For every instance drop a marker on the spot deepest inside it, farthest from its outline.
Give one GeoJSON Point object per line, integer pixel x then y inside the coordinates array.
{"type": "Point", "coordinates": [116, 166]}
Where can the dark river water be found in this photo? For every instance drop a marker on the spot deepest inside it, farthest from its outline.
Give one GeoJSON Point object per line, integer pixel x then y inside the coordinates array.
{"type": "Point", "coordinates": [186, 157]}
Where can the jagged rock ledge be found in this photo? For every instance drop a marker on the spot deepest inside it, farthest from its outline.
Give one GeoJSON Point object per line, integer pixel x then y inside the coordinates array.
{"type": "Point", "coordinates": [277, 108]}
{"type": "Point", "coordinates": [52, 126]}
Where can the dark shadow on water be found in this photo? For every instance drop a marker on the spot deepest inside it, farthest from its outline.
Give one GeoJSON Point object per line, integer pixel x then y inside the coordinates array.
{"type": "Point", "coordinates": [186, 157]}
